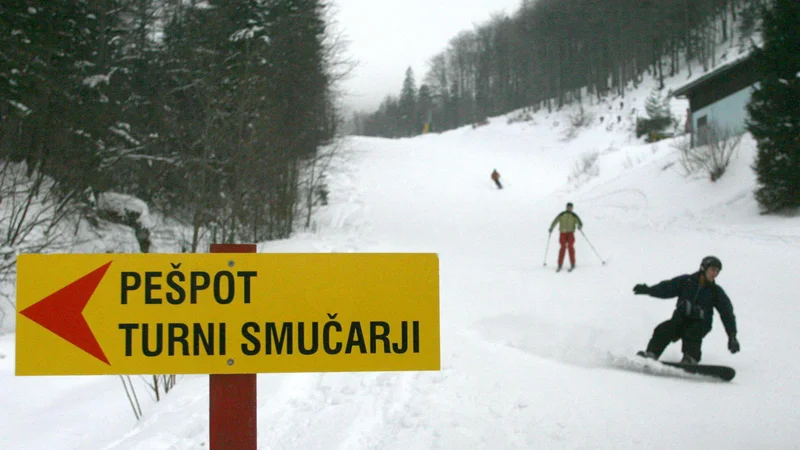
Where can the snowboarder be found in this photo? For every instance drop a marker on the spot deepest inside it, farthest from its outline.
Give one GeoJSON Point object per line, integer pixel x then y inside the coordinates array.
{"type": "Point", "coordinates": [698, 295]}
{"type": "Point", "coordinates": [567, 221]}
{"type": "Point", "coordinates": [496, 178]}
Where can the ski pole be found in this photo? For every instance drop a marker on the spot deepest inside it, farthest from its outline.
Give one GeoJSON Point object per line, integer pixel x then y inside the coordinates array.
{"type": "Point", "coordinates": [547, 248]}
{"type": "Point", "coordinates": [592, 247]}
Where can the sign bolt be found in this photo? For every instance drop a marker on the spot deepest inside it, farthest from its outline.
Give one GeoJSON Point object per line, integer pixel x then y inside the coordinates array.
{"type": "Point", "coordinates": [230, 361]}
{"type": "Point", "coordinates": [231, 263]}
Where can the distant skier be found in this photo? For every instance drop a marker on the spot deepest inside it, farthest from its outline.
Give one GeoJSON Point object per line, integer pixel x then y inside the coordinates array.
{"type": "Point", "coordinates": [496, 178]}
{"type": "Point", "coordinates": [698, 295]}
{"type": "Point", "coordinates": [567, 222]}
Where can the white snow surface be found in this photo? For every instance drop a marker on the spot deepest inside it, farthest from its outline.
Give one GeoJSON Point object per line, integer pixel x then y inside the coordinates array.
{"type": "Point", "coordinates": [529, 357]}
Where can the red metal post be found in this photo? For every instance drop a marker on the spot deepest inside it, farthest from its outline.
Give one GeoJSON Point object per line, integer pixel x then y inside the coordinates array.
{"type": "Point", "coordinates": [232, 398]}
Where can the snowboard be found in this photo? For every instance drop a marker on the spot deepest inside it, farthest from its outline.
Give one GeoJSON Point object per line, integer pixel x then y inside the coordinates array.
{"type": "Point", "coordinates": [722, 372]}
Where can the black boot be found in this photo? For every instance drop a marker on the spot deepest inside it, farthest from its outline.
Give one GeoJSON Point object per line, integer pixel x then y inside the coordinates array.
{"type": "Point", "coordinates": [647, 354]}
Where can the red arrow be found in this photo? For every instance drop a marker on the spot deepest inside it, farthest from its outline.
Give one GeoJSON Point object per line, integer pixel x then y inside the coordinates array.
{"type": "Point", "coordinates": [62, 313]}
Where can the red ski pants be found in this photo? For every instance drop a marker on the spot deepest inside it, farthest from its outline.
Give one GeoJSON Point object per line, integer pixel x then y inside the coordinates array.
{"type": "Point", "coordinates": [567, 241]}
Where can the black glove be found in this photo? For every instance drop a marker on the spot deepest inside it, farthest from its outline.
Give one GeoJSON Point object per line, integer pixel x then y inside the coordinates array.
{"type": "Point", "coordinates": [641, 289]}
{"type": "Point", "coordinates": [733, 344]}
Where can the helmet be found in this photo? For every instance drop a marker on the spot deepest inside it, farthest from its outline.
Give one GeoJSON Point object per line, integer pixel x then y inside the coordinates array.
{"type": "Point", "coordinates": [569, 205]}
{"type": "Point", "coordinates": [710, 261]}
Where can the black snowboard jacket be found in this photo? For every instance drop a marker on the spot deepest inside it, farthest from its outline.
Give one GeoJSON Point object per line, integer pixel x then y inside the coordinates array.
{"type": "Point", "coordinates": [697, 302]}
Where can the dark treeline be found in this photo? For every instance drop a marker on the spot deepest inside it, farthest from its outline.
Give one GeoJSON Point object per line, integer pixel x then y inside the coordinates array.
{"type": "Point", "coordinates": [551, 52]}
{"type": "Point", "coordinates": [205, 109]}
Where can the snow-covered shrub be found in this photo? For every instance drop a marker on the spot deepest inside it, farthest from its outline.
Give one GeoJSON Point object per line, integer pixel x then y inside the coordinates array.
{"type": "Point", "coordinates": [712, 152]}
{"type": "Point", "coordinates": [33, 219]}
{"type": "Point", "coordinates": [577, 120]}
{"type": "Point", "coordinates": [584, 169]}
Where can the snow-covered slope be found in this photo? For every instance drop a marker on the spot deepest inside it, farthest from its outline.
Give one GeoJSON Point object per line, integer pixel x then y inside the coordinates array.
{"type": "Point", "coordinates": [527, 354]}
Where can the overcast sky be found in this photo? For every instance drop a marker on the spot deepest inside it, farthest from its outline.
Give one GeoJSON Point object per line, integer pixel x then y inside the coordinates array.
{"type": "Point", "coordinates": [387, 36]}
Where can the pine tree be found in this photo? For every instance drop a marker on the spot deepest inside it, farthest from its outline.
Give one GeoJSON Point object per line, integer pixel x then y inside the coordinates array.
{"type": "Point", "coordinates": [408, 105]}
{"type": "Point", "coordinates": [250, 95]}
{"type": "Point", "coordinates": [57, 74]}
{"type": "Point", "coordinates": [774, 109]}
{"type": "Point", "coordinates": [655, 106]}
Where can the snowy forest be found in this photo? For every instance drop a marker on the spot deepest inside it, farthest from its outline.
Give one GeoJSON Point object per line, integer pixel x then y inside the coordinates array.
{"type": "Point", "coordinates": [206, 111]}
{"type": "Point", "coordinates": [555, 52]}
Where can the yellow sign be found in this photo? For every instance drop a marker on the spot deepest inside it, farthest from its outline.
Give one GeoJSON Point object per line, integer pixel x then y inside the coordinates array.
{"type": "Point", "coordinates": [223, 313]}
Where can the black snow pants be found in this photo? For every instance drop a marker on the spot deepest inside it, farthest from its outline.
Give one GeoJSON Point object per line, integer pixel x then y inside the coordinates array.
{"type": "Point", "coordinates": [690, 331]}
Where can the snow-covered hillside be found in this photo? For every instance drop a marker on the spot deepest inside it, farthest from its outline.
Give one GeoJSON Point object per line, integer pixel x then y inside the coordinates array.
{"type": "Point", "coordinates": [527, 354]}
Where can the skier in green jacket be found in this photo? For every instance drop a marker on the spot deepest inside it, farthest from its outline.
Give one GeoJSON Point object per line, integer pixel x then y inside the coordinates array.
{"type": "Point", "coordinates": [567, 222]}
